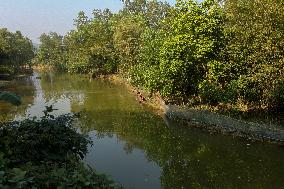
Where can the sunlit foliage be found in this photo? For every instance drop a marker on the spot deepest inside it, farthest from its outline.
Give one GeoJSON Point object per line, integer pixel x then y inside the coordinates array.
{"type": "Point", "coordinates": [210, 52]}
{"type": "Point", "coordinates": [16, 51]}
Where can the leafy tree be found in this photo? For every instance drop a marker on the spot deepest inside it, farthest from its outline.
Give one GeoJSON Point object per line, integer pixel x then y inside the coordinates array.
{"type": "Point", "coordinates": [146, 72]}
{"type": "Point", "coordinates": [135, 21]}
{"type": "Point", "coordinates": [251, 70]}
{"type": "Point", "coordinates": [52, 51]}
{"type": "Point", "coordinates": [16, 51]}
{"type": "Point", "coordinates": [90, 46]}
{"type": "Point", "coordinates": [192, 41]}
{"type": "Point", "coordinates": [127, 39]}
{"type": "Point", "coordinates": [152, 11]}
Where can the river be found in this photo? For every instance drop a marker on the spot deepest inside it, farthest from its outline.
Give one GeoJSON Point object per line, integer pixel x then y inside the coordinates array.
{"type": "Point", "coordinates": [141, 150]}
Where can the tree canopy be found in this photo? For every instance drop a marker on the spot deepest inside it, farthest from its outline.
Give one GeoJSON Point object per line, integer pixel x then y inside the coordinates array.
{"type": "Point", "coordinates": [15, 51]}
{"type": "Point", "coordinates": [211, 52]}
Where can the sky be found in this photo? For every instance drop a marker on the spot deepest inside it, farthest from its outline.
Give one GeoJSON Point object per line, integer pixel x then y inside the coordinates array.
{"type": "Point", "coordinates": [34, 17]}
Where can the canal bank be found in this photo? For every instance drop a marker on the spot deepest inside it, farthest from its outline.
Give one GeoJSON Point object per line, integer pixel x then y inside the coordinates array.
{"type": "Point", "coordinates": [205, 119]}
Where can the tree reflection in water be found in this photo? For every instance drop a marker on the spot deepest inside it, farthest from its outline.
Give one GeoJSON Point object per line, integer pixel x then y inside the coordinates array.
{"type": "Point", "coordinates": [187, 157]}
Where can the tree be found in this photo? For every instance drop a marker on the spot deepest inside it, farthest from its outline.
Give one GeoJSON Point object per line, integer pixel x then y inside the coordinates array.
{"type": "Point", "coordinates": [90, 46]}
{"type": "Point", "coordinates": [16, 51]}
{"type": "Point", "coordinates": [251, 70]}
{"type": "Point", "coordinates": [52, 51]}
{"type": "Point", "coordinates": [127, 39]}
{"type": "Point", "coordinates": [192, 41]}
{"type": "Point", "coordinates": [136, 18]}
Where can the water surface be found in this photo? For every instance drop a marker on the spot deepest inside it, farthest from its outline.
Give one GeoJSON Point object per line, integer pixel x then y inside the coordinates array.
{"type": "Point", "coordinates": [140, 149]}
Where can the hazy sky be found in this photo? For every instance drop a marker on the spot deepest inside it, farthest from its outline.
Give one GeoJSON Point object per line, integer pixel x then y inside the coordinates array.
{"type": "Point", "coordinates": [34, 17]}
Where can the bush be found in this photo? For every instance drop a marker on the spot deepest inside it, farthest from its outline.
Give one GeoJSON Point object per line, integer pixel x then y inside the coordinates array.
{"type": "Point", "coordinates": [210, 92]}
{"type": "Point", "coordinates": [278, 95]}
{"type": "Point", "coordinates": [46, 153]}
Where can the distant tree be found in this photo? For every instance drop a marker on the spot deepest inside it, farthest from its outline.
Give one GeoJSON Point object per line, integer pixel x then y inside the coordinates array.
{"type": "Point", "coordinates": [52, 51]}
{"type": "Point", "coordinates": [16, 51]}
{"type": "Point", "coordinates": [90, 46]}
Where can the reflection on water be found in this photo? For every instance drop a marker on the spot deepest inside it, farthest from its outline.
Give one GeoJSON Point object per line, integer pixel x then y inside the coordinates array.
{"type": "Point", "coordinates": [25, 88]}
{"type": "Point", "coordinates": [136, 148]}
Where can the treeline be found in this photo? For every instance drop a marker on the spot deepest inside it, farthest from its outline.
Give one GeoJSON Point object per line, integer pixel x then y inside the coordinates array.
{"type": "Point", "coordinates": [226, 53]}
{"type": "Point", "coordinates": [16, 51]}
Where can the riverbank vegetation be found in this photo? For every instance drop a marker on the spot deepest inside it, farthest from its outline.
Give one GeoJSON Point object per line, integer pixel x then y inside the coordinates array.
{"type": "Point", "coordinates": [16, 52]}
{"type": "Point", "coordinates": [46, 153]}
{"type": "Point", "coordinates": [223, 55]}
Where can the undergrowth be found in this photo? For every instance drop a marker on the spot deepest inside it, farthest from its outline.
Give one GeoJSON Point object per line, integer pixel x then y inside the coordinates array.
{"type": "Point", "coordinates": [46, 153]}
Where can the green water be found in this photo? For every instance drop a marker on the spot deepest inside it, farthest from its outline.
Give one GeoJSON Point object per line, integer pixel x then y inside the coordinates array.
{"type": "Point", "coordinates": [142, 150]}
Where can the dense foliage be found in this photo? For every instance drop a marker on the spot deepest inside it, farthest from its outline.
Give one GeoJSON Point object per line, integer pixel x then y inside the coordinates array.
{"type": "Point", "coordinates": [90, 48]}
{"type": "Point", "coordinates": [251, 68]}
{"type": "Point", "coordinates": [46, 153]}
{"type": "Point", "coordinates": [16, 51]}
{"type": "Point", "coordinates": [51, 51]}
{"type": "Point", "coordinates": [227, 53]}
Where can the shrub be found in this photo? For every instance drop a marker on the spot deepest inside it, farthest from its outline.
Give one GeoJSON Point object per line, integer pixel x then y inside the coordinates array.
{"type": "Point", "coordinates": [46, 153]}
{"type": "Point", "coordinates": [210, 92]}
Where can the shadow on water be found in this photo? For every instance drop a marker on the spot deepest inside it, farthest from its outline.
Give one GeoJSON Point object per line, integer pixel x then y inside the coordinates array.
{"type": "Point", "coordinates": [187, 158]}
{"type": "Point", "coordinates": [138, 149]}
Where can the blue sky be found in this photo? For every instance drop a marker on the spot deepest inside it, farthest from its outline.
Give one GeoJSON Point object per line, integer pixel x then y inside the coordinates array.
{"type": "Point", "coordinates": [34, 17]}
